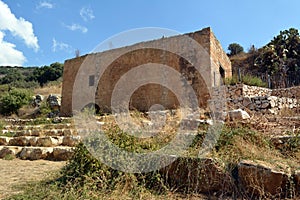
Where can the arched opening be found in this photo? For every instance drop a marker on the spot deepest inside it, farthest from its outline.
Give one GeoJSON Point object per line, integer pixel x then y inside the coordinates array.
{"type": "Point", "coordinates": [91, 107]}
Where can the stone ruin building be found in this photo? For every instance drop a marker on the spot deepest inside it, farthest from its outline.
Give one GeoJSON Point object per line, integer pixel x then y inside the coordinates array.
{"type": "Point", "coordinates": [203, 68]}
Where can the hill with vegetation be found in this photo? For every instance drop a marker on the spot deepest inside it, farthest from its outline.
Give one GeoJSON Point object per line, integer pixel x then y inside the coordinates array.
{"type": "Point", "coordinates": [19, 84]}
{"type": "Point", "coordinates": [277, 63]}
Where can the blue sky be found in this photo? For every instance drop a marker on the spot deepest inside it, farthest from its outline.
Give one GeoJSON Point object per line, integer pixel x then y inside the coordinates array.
{"type": "Point", "coordinates": [40, 32]}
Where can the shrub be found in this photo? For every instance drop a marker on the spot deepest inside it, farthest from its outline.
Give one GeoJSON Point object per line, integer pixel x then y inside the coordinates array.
{"type": "Point", "coordinates": [247, 79]}
{"type": "Point", "coordinates": [253, 81]}
{"type": "Point", "coordinates": [11, 101]}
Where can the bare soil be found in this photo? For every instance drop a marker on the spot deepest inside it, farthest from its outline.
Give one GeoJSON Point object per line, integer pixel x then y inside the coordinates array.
{"type": "Point", "coordinates": [16, 172]}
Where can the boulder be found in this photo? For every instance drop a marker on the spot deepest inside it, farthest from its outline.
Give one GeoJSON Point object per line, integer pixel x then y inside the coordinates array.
{"type": "Point", "coordinates": [35, 153]}
{"type": "Point", "coordinates": [37, 100]}
{"type": "Point", "coordinates": [54, 101]}
{"type": "Point", "coordinates": [62, 153]}
{"type": "Point", "coordinates": [238, 114]}
{"type": "Point", "coordinates": [197, 175]}
{"type": "Point", "coordinates": [259, 179]}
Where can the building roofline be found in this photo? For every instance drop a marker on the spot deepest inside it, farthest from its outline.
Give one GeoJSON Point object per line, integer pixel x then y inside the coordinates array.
{"type": "Point", "coordinates": [204, 30]}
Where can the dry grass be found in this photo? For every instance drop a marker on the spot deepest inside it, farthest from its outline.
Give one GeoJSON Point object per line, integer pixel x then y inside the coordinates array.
{"type": "Point", "coordinates": [238, 141]}
{"type": "Point", "coordinates": [49, 89]}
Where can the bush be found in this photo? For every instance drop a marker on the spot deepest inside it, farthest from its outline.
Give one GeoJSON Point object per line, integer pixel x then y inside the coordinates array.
{"type": "Point", "coordinates": [247, 79]}
{"type": "Point", "coordinates": [253, 81]}
{"type": "Point", "coordinates": [12, 100]}
{"type": "Point", "coordinates": [46, 74]}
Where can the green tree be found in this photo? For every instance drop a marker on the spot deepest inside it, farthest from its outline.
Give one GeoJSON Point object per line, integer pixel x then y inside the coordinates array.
{"type": "Point", "coordinates": [235, 49]}
{"type": "Point", "coordinates": [47, 73]}
{"type": "Point", "coordinates": [281, 57]}
{"type": "Point", "coordinates": [11, 101]}
{"type": "Point", "coordinates": [12, 75]}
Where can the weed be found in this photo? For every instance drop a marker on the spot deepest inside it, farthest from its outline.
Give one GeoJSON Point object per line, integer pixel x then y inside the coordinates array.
{"type": "Point", "coordinates": [9, 157]}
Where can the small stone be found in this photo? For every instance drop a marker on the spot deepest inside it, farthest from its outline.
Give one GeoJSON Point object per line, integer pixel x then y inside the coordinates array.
{"type": "Point", "coordinates": [238, 114]}
{"type": "Point", "coordinates": [265, 105]}
{"type": "Point", "coordinates": [246, 101]}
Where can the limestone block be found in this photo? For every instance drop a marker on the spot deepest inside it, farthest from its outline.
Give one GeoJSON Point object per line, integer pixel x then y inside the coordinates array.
{"type": "Point", "coordinates": [33, 141]}
{"type": "Point", "coordinates": [197, 175]}
{"type": "Point", "coordinates": [9, 151]}
{"type": "Point", "coordinates": [35, 153]}
{"type": "Point", "coordinates": [20, 141]}
{"type": "Point", "coordinates": [71, 141]}
{"type": "Point", "coordinates": [62, 153]}
{"type": "Point", "coordinates": [4, 140]}
{"type": "Point", "coordinates": [47, 141]}
{"type": "Point", "coordinates": [257, 176]}
{"type": "Point", "coordinates": [238, 114]}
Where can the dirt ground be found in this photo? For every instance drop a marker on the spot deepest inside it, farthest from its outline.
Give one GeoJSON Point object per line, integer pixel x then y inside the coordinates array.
{"type": "Point", "coordinates": [15, 172]}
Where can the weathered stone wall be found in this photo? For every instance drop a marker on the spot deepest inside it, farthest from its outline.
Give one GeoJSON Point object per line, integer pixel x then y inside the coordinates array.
{"type": "Point", "coordinates": [262, 99]}
{"type": "Point", "coordinates": [293, 92]}
{"type": "Point", "coordinates": [220, 60]}
{"type": "Point", "coordinates": [109, 71]}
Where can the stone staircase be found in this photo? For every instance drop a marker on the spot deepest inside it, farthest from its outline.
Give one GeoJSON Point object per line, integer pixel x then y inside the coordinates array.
{"type": "Point", "coordinates": [42, 141]}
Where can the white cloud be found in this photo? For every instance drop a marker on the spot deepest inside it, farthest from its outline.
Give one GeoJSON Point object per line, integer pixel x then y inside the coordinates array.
{"type": "Point", "coordinates": [18, 27]}
{"type": "Point", "coordinates": [86, 14]}
{"type": "Point", "coordinates": [9, 56]}
{"type": "Point", "coordinates": [45, 4]}
{"type": "Point", "coordinates": [75, 27]}
{"type": "Point", "coordinates": [60, 46]}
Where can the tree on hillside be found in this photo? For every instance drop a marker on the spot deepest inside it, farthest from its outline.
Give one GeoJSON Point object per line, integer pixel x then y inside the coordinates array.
{"type": "Point", "coordinates": [47, 73]}
{"type": "Point", "coordinates": [235, 49]}
{"type": "Point", "coordinates": [12, 75]}
{"type": "Point", "coordinates": [281, 58]}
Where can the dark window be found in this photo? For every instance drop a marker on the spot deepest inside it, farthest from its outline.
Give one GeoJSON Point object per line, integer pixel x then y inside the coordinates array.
{"type": "Point", "coordinates": [222, 72]}
{"type": "Point", "coordinates": [91, 80]}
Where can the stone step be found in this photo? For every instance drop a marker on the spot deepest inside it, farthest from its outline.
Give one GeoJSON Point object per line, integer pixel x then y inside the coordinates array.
{"type": "Point", "coordinates": [46, 141]}
{"type": "Point", "coordinates": [284, 141]}
{"type": "Point", "coordinates": [61, 153]}
{"type": "Point", "coordinates": [37, 127]}
{"type": "Point", "coordinates": [57, 120]}
{"type": "Point", "coordinates": [41, 132]}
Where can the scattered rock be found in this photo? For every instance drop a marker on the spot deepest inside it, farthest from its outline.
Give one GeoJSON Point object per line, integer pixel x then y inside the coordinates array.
{"type": "Point", "coordinates": [54, 101]}
{"type": "Point", "coordinates": [37, 100]}
{"type": "Point", "coordinates": [238, 114]}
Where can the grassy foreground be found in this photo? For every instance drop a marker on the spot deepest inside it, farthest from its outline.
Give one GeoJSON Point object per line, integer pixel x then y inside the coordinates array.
{"type": "Point", "coordinates": [84, 177]}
